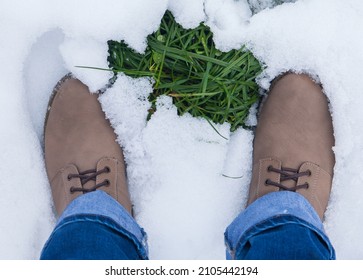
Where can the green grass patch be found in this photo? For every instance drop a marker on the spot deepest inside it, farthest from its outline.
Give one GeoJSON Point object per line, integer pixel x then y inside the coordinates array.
{"type": "Point", "coordinates": [185, 64]}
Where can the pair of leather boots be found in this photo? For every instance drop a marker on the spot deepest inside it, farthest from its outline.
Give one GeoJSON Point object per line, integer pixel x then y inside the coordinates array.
{"type": "Point", "coordinates": [292, 147]}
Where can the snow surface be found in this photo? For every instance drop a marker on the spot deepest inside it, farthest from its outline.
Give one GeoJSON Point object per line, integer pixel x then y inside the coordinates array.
{"type": "Point", "coordinates": [175, 164]}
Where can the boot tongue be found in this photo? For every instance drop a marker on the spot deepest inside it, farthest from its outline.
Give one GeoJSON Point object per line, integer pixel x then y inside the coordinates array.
{"type": "Point", "coordinates": [89, 184]}
{"type": "Point", "coordinates": [289, 183]}
{"type": "Point", "coordinates": [88, 178]}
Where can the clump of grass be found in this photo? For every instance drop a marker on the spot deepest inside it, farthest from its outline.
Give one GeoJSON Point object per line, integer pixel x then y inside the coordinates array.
{"type": "Point", "coordinates": [185, 64]}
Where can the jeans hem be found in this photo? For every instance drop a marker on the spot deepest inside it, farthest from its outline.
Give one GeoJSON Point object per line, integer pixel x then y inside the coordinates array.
{"type": "Point", "coordinates": [100, 207]}
{"type": "Point", "coordinates": [258, 215]}
{"type": "Point", "coordinates": [110, 223]}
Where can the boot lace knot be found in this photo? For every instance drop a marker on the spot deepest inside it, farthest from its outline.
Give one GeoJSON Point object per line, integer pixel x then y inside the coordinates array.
{"type": "Point", "coordinates": [288, 174]}
{"type": "Point", "coordinates": [89, 175]}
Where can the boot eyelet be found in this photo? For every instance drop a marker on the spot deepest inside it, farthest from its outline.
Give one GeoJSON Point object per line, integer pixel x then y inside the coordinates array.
{"type": "Point", "coordinates": [269, 168]}
{"type": "Point", "coordinates": [267, 182]}
{"type": "Point", "coordinates": [309, 172]}
{"type": "Point", "coordinates": [69, 177]}
{"type": "Point", "coordinates": [307, 185]}
{"type": "Point", "coordinates": [71, 190]}
{"type": "Point", "coordinates": [108, 170]}
{"type": "Point", "coordinates": [107, 182]}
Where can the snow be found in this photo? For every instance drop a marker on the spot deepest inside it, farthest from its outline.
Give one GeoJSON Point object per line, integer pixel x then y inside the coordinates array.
{"type": "Point", "coordinates": [179, 168]}
{"type": "Point", "coordinates": [259, 5]}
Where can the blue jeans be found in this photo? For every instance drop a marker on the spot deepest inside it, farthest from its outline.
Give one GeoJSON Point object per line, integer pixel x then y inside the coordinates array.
{"type": "Point", "coordinates": [280, 225]}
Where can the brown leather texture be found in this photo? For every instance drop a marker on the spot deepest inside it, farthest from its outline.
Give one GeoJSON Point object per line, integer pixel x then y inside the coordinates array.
{"type": "Point", "coordinates": [295, 131]}
{"type": "Point", "coordinates": [78, 137]}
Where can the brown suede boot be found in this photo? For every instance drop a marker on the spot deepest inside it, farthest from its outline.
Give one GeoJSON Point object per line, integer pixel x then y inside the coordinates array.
{"type": "Point", "coordinates": [293, 143]}
{"type": "Point", "coordinates": [81, 152]}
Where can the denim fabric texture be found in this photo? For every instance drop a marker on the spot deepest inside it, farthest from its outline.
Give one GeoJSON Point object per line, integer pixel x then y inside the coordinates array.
{"type": "Point", "coordinates": [273, 211]}
{"type": "Point", "coordinates": [279, 225]}
{"type": "Point", "coordinates": [102, 210]}
{"type": "Point", "coordinates": [284, 238]}
{"type": "Point", "coordinates": [89, 237]}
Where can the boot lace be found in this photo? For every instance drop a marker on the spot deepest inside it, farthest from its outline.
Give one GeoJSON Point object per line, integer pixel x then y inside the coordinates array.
{"type": "Point", "coordinates": [89, 175]}
{"type": "Point", "coordinates": [288, 174]}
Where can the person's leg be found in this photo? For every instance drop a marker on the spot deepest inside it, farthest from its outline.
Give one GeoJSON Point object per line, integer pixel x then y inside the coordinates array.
{"type": "Point", "coordinates": [306, 244]}
{"type": "Point", "coordinates": [279, 225]}
{"type": "Point", "coordinates": [95, 226]}
{"type": "Point", "coordinates": [89, 240]}
{"type": "Point", "coordinates": [291, 178]}
{"type": "Point", "coordinates": [87, 174]}
{"type": "Point", "coordinates": [299, 243]}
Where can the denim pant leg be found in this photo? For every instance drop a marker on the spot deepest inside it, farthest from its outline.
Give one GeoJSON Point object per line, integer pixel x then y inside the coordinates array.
{"type": "Point", "coordinates": [279, 225]}
{"type": "Point", "coordinates": [95, 226]}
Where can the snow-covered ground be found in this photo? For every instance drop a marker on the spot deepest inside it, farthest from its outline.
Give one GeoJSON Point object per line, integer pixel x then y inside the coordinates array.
{"type": "Point", "coordinates": [175, 164]}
